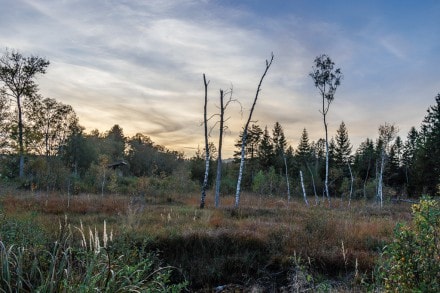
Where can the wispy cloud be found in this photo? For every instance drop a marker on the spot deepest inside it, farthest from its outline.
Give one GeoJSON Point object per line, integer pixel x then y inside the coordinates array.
{"type": "Point", "coordinates": [140, 63]}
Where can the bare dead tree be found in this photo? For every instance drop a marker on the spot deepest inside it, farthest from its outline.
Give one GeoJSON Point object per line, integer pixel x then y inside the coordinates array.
{"type": "Point", "coordinates": [218, 178]}
{"type": "Point", "coordinates": [207, 154]}
{"type": "Point", "coordinates": [222, 120]}
{"type": "Point", "coordinates": [245, 130]}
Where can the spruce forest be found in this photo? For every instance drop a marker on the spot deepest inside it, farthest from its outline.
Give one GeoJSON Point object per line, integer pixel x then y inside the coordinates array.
{"type": "Point", "coordinates": [105, 212]}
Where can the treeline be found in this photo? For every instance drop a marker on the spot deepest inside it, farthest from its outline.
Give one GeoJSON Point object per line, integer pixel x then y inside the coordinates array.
{"type": "Point", "coordinates": [411, 166]}
{"type": "Point", "coordinates": [43, 145]}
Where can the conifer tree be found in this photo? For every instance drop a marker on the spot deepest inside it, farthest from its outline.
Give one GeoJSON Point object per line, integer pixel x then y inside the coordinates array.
{"type": "Point", "coordinates": [429, 150]}
{"type": "Point", "coordinates": [265, 151]}
{"type": "Point", "coordinates": [279, 146]}
{"type": "Point", "coordinates": [343, 147]}
{"type": "Point", "coordinates": [303, 150]}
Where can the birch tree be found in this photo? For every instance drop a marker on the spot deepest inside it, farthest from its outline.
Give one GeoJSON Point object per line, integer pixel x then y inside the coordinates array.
{"type": "Point", "coordinates": [18, 73]}
{"type": "Point", "coordinates": [245, 130]}
{"type": "Point", "coordinates": [207, 155]}
{"type": "Point", "coordinates": [387, 133]}
{"type": "Point", "coordinates": [327, 78]}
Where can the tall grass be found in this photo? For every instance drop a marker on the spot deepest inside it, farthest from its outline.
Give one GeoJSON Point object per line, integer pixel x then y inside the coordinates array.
{"type": "Point", "coordinates": [92, 266]}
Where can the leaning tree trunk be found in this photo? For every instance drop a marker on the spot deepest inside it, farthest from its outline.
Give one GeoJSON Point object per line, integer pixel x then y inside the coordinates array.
{"type": "Point", "coordinates": [380, 183]}
{"type": "Point", "coordinates": [207, 156]}
{"type": "Point", "coordinates": [303, 188]}
{"type": "Point", "coordinates": [313, 183]}
{"type": "Point", "coordinates": [366, 179]}
{"type": "Point", "coordinates": [243, 143]}
{"type": "Point", "coordinates": [219, 158]}
{"type": "Point", "coordinates": [287, 178]}
{"type": "Point", "coordinates": [351, 184]}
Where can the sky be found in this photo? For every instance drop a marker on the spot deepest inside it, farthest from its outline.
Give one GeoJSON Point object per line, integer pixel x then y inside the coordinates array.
{"type": "Point", "coordinates": [139, 64]}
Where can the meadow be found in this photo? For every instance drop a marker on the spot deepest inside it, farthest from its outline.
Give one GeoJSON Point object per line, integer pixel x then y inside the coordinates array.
{"type": "Point", "coordinates": [266, 245]}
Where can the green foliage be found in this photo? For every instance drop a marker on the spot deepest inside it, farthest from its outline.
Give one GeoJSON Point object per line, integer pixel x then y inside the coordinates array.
{"type": "Point", "coordinates": [412, 261]}
{"type": "Point", "coordinates": [22, 231]}
{"type": "Point", "coordinates": [64, 267]}
{"type": "Point", "coordinates": [267, 182]}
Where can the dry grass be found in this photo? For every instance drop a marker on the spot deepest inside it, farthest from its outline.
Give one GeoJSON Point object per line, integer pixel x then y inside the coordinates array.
{"type": "Point", "coordinates": [258, 239]}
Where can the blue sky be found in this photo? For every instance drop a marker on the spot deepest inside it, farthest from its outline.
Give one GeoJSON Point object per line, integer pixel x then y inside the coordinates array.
{"type": "Point", "coordinates": [139, 64]}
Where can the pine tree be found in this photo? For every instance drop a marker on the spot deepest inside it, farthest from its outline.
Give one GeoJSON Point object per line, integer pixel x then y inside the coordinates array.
{"type": "Point", "coordinates": [303, 152]}
{"type": "Point", "coordinates": [265, 151]}
{"type": "Point", "coordinates": [254, 136]}
{"type": "Point", "coordinates": [342, 151]}
{"type": "Point", "coordinates": [429, 151]}
{"type": "Point", "coordinates": [365, 162]}
{"type": "Point", "coordinates": [279, 147]}
{"type": "Point", "coordinates": [409, 155]}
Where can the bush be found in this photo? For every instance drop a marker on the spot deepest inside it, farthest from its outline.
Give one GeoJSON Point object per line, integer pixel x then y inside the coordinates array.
{"type": "Point", "coordinates": [411, 262]}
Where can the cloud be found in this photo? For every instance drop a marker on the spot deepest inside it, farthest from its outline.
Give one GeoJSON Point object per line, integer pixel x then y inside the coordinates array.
{"type": "Point", "coordinates": [139, 64]}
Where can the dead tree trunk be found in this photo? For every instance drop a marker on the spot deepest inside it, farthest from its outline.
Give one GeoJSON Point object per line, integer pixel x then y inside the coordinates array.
{"type": "Point", "coordinates": [313, 183]}
{"type": "Point", "coordinates": [245, 130]}
{"type": "Point", "coordinates": [303, 188]}
{"type": "Point", "coordinates": [287, 178]}
{"type": "Point", "coordinates": [379, 186]}
{"type": "Point", "coordinates": [207, 156]}
{"type": "Point", "coordinates": [351, 183]}
{"type": "Point", "coordinates": [219, 157]}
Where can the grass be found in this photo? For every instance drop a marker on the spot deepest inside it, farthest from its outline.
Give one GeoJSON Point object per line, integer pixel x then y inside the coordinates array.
{"type": "Point", "coordinates": [258, 244]}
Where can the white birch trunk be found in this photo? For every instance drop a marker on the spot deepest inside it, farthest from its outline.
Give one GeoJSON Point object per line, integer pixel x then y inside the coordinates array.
{"type": "Point", "coordinates": [313, 183]}
{"type": "Point", "coordinates": [240, 172]}
{"type": "Point", "coordinates": [380, 183]}
{"type": "Point", "coordinates": [351, 184]}
{"type": "Point", "coordinates": [303, 189]}
{"type": "Point", "coordinates": [287, 178]}
{"type": "Point", "coordinates": [207, 156]}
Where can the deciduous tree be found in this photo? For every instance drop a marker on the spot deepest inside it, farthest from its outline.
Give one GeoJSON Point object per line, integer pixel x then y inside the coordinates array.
{"type": "Point", "coordinates": [18, 73]}
{"type": "Point", "coordinates": [327, 78]}
{"type": "Point", "coordinates": [387, 133]}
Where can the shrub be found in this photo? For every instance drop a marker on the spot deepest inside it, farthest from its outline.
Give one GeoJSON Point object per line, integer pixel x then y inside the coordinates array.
{"type": "Point", "coordinates": [411, 262]}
